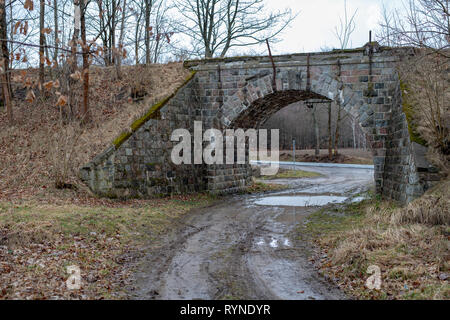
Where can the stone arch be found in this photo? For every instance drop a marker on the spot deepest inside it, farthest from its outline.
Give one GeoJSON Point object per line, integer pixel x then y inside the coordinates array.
{"type": "Point", "coordinates": [255, 102]}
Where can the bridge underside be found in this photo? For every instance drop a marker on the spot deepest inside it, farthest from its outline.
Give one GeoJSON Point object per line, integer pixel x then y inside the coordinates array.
{"type": "Point", "coordinates": [243, 93]}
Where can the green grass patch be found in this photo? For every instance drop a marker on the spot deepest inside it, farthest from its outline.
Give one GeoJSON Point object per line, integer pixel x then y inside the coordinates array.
{"type": "Point", "coordinates": [259, 187]}
{"type": "Point", "coordinates": [335, 220]}
{"type": "Point", "coordinates": [292, 174]}
{"type": "Point", "coordinates": [408, 109]}
{"type": "Point", "coordinates": [152, 215]}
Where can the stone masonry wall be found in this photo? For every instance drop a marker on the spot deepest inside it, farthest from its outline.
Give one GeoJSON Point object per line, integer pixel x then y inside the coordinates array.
{"type": "Point", "coordinates": [140, 166]}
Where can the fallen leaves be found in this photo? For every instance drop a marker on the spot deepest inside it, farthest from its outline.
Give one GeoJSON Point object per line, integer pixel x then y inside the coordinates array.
{"type": "Point", "coordinates": [48, 85]}
{"type": "Point", "coordinates": [38, 242]}
{"type": "Point", "coordinates": [26, 156]}
{"type": "Point", "coordinates": [37, 271]}
{"type": "Point", "coordinates": [76, 75]}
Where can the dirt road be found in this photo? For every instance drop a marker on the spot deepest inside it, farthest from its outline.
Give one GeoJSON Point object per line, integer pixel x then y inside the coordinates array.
{"type": "Point", "coordinates": [243, 247]}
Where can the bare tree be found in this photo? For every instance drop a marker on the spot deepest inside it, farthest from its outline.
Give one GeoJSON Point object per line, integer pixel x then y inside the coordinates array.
{"type": "Point", "coordinates": [346, 27]}
{"type": "Point", "coordinates": [5, 62]}
{"type": "Point", "coordinates": [119, 52]}
{"type": "Point", "coordinates": [330, 146]}
{"type": "Point", "coordinates": [422, 23]}
{"type": "Point", "coordinates": [85, 49]}
{"type": "Point", "coordinates": [56, 30]}
{"type": "Point", "coordinates": [426, 96]}
{"type": "Point", "coordinates": [343, 34]}
{"type": "Point", "coordinates": [216, 26]}
{"type": "Point", "coordinates": [148, 29]}
{"type": "Point", "coordinates": [314, 112]}
{"type": "Point", "coordinates": [425, 25]}
{"type": "Point", "coordinates": [41, 41]}
{"type": "Point", "coordinates": [384, 34]}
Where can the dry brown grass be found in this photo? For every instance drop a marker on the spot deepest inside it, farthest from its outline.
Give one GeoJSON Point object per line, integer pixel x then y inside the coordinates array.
{"type": "Point", "coordinates": [410, 245]}
{"type": "Point", "coordinates": [39, 151]}
{"type": "Point", "coordinates": [431, 209]}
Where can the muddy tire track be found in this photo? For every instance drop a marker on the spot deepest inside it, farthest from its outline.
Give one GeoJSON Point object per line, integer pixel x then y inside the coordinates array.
{"type": "Point", "coordinates": [237, 249]}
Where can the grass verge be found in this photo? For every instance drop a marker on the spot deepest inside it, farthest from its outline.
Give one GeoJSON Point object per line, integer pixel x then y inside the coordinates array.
{"type": "Point", "coordinates": [260, 187]}
{"type": "Point", "coordinates": [410, 246]}
{"type": "Point", "coordinates": [291, 174]}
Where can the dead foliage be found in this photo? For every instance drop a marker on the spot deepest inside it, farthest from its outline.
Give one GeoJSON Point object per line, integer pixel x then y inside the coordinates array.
{"type": "Point", "coordinates": [410, 245]}
{"type": "Point", "coordinates": [431, 209]}
{"type": "Point", "coordinates": [43, 150]}
{"type": "Point", "coordinates": [39, 241]}
{"type": "Point", "coordinates": [426, 95]}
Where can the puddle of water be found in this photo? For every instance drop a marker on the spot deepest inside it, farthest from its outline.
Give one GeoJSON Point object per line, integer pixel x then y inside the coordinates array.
{"type": "Point", "coordinates": [260, 242]}
{"type": "Point", "coordinates": [300, 201]}
{"type": "Point", "coordinates": [274, 242]}
{"type": "Point", "coordinates": [358, 199]}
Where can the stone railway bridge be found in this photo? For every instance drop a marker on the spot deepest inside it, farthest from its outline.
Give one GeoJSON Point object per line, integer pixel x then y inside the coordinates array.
{"type": "Point", "coordinates": [243, 92]}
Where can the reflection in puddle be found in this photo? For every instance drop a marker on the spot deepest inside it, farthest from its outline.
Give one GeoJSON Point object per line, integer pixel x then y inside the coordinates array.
{"type": "Point", "coordinates": [300, 201]}
{"type": "Point", "coordinates": [274, 242]}
{"type": "Point", "coordinates": [260, 242]}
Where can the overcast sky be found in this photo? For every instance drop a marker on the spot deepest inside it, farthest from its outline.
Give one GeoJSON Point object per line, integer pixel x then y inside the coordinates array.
{"type": "Point", "coordinates": [313, 28]}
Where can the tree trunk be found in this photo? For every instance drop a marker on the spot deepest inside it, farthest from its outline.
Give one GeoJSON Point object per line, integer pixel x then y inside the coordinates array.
{"type": "Point", "coordinates": [316, 131]}
{"type": "Point", "coordinates": [113, 33]}
{"type": "Point", "coordinates": [56, 27]}
{"type": "Point", "coordinates": [137, 36]}
{"type": "Point", "coordinates": [148, 4]}
{"type": "Point", "coordinates": [11, 34]}
{"type": "Point", "coordinates": [74, 62]}
{"type": "Point", "coordinates": [120, 53]}
{"type": "Point", "coordinates": [85, 108]}
{"type": "Point", "coordinates": [336, 133]}
{"type": "Point", "coordinates": [41, 41]}
{"type": "Point", "coordinates": [76, 33]}
{"type": "Point", "coordinates": [330, 150]}
{"type": "Point", "coordinates": [353, 133]}
{"type": "Point", "coordinates": [5, 63]}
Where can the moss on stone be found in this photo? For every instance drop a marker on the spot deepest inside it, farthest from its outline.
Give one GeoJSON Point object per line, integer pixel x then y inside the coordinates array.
{"type": "Point", "coordinates": [409, 111]}
{"type": "Point", "coordinates": [152, 113]}
{"type": "Point", "coordinates": [121, 139]}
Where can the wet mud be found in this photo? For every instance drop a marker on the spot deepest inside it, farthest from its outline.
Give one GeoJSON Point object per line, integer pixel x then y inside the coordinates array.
{"type": "Point", "coordinates": [244, 247]}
